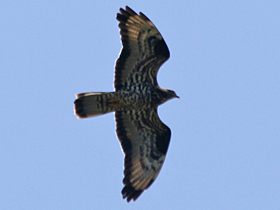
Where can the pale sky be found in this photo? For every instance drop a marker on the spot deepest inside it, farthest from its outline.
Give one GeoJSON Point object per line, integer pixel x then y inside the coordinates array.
{"type": "Point", "coordinates": [224, 65]}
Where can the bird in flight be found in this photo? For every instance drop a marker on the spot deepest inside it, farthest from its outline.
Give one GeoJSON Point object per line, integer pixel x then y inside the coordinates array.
{"type": "Point", "coordinates": [143, 136]}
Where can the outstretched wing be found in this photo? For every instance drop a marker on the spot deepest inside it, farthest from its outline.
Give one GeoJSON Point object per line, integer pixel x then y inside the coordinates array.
{"type": "Point", "coordinates": [145, 140]}
{"type": "Point", "coordinates": [143, 52]}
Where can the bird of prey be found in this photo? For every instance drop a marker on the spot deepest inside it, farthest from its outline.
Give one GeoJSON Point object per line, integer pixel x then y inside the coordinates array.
{"type": "Point", "coordinates": [143, 136]}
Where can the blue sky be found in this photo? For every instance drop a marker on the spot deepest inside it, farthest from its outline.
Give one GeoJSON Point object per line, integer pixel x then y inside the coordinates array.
{"type": "Point", "coordinates": [224, 65]}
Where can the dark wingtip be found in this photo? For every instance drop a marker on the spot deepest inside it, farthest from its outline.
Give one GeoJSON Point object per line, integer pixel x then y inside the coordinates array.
{"type": "Point", "coordinates": [129, 193]}
{"type": "Point", "coordinates": [124, 14]}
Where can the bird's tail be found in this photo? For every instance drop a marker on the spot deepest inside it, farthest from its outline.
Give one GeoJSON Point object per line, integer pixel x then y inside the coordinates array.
{"type": "Point", "coordinates": [95, 103]}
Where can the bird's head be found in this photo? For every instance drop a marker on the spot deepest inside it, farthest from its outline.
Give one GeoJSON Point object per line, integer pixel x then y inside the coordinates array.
{"type": "Point", "coordinates": [169, 94]}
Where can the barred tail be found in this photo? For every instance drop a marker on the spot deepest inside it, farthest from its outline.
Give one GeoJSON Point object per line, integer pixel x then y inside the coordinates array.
{"type": "Point", "coordinates": [94, 104]}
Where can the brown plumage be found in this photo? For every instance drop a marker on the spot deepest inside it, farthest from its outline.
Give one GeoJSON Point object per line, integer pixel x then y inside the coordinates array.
{"type": "Point", "coordinates": [143, 136]}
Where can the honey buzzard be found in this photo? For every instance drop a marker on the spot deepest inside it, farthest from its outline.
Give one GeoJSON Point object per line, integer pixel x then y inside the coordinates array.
{"type": "Point", "coordinates": [143, 136]}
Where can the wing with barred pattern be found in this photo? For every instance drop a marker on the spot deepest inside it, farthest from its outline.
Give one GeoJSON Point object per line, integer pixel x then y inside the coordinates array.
{"type": "Point", "coordinates": [145, 140]}
{"type": "Point", "coordinates": [144, 50]}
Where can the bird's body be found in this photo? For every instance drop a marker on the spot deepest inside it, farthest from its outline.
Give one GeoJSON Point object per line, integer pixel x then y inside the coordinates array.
{"type": "Point", "coordinates": [143, 136]}
{"type": "Point", "coordinates": [105, 102]}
